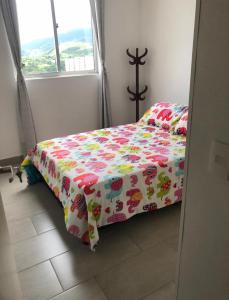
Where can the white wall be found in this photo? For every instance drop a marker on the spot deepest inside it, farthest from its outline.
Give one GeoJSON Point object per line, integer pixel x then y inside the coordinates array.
{"type": "Point", "coordinates": [63, 106]}
{"type": "Point", "coordinates": [122, 32]}
{"type": "Point", "coordinates": [204, 263]}
{"type": "Point", "coordinates": [167, 31]}
{"type": "Point", "coordinates": [9, 141]}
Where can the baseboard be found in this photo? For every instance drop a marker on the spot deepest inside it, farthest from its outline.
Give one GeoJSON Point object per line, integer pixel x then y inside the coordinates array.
{"type": "Point", "coordinates": [12, 161]}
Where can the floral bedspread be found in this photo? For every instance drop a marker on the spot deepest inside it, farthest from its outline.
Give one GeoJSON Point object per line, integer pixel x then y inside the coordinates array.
{"type": "Point", "coordinates": [109, 175]}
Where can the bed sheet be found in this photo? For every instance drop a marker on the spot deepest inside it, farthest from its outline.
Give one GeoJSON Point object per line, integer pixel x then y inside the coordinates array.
{"type": "Point", "coordinates": [107, 176]}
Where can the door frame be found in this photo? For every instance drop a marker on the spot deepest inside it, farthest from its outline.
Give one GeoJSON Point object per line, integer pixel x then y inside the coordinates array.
{"type": "Point", "coordinates": [191, 106]}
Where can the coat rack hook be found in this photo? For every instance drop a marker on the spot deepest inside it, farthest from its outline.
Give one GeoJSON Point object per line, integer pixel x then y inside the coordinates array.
{"type": "Point", "coordinates": [144, 54]}
{"type": "Point", "coordinates": [137, 96]}
{"type": "Point", "coordinates": [131, 56]}
{"type": "Point", "coordinates": [134, 96]}
{"type": "Point", "coordinates": [144, 90]}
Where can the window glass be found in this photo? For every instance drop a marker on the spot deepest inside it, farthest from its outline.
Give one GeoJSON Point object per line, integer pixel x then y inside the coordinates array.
{"type": "Point", "coordinates": [69, 41]}
{"type": "Point", "coordinates": [37, 37]}
{"type": "Point", "coordinates": [75, 35]}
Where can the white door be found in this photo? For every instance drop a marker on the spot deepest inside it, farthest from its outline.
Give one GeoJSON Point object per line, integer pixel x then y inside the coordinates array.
{"type": "Point", "coordinates": [203, 272]}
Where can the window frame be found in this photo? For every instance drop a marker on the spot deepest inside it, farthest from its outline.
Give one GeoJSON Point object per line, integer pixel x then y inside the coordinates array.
{"type": "Point", "coordinates": [60, 73]}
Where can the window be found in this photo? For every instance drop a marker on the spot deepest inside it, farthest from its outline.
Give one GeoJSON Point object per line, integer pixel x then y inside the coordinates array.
{"type": "Point", "coordinates": [56, 36]}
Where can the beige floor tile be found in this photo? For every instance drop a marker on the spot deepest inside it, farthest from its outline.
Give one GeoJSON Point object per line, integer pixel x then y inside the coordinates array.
{"type": "Point", "coordinates": [9, 282]}
{"type": "Point", "coordinates": [122, 270]}
{"type": "Point", "coordinates": [29, 201]}
{"type": "Point", "coordinates": [21, 230]}
{"type": "Point", "coordinates": [5, 186]}
{"type": "Point", "coordinates": [8, 189]}
{"type": "Point", "coordinates": [4, 180]}
{"type": "Point", "coordinates": [167, 292]}
{"type": "Point", "coordinates": [23, 203]}
{"type": "Point", "coordinates": [141, 274]}
{"type": "Point", "coordinates": [49, 220]}
{"type": "Point", "coordinates": [23, 208]}
{"type": "Point", "coordinates": [39, 282]}
{"type": "Point", "coordinates": [147, 230]}
{"type": "Point", "coordinates": [42, 247]}
{"type": "Point", "coordinates": [85, 291]}
{"type": "Point", "coordinates": [75, 267]}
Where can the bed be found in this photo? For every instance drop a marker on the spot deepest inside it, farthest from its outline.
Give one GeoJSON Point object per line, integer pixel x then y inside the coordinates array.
{"type": "Point", "coordinates": [109, 175]}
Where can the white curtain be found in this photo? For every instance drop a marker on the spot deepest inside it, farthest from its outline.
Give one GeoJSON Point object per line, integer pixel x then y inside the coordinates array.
{"type": "Point", "coordinates": [97, 9]}
{"type": "Point", "coordinates": [27, 128]}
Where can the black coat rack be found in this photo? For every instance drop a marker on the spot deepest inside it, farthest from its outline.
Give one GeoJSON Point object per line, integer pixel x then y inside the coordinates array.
{"type": "Point", "coordinates": [137, 96]}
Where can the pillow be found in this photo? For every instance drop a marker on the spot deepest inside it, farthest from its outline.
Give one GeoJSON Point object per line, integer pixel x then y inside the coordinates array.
{"type": "Point", "coordinates": [181, 127]}
{"type": "Point", "coordinates": [164, 115]}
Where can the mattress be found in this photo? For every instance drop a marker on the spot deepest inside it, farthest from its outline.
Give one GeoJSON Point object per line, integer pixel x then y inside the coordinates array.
{"type": "Point", "coordinates": [107, 176]}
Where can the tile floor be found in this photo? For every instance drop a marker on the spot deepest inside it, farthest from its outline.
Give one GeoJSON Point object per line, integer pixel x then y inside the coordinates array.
{"type": "Point", "coordinates": [134, 260]}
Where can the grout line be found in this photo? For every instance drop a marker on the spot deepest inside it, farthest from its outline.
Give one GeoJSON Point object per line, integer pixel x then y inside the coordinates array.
{"type": "Point", "coordinates": [24, 239]}
{"type": "Point", "coordinates": [14, 243]}
{"type": "Point", "coordinates": [162, 241]}
{"type": "Point", "coordinates": [40, 233]}
{"type": "Point", "coordinates": [156, 290]}
{"type": "Point", "coordinates": [117, 264]}
{"type": "Point", "coordinates": [26, 216]}
{"type": "Point", "coordinates": [71, 288]}
{"type": "Point", "coordinates": [56, 274]}
{"type": "Point", "coordinates": [29, 216]}
{"type": "Point", "coordinates": [32, 237]}
{"type": "Point", "coordinates": [136, 244]}
{"type": "Point", "coordinates": [106, 269]}
{"type": "Point", "coordinates": [37, 233]}
{"type": "Point", "coordinates": [93, 277]}
{"type": "Point", "coordinates": [41, 262]}
{"type": "Point", "coordinates": [104, 292]}
{"type": "Point", "coordinates": [128, 258]}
